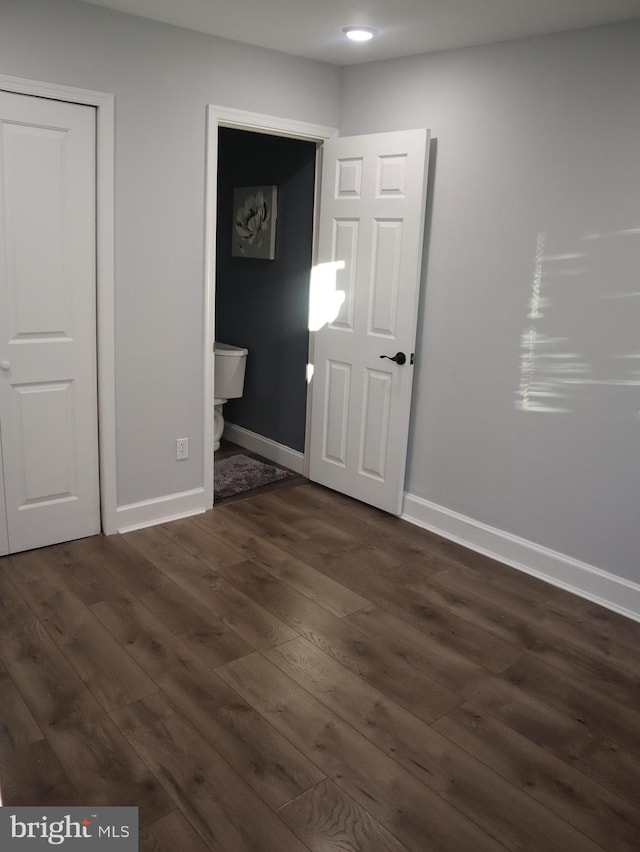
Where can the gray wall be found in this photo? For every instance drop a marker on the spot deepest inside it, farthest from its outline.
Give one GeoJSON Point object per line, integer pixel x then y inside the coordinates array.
{"type": "Point", "coordinates": [263, 305]}
{"type": "Point", "coordinates": [162, 78]}
{"type": "Point", "coordinates": [527, 398]}
{"type": "Point", "coordinates": [526, 404]}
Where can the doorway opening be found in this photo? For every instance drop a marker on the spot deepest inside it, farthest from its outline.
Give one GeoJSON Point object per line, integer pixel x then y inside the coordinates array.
{"type": "Point", "coordinates": [266, 186]}
{"type": "Point", "coordinates": [255, 304]}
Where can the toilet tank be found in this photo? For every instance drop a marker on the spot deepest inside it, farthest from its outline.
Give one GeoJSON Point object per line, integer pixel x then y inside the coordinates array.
{"type": "Point", "coordinates": [229, 366]}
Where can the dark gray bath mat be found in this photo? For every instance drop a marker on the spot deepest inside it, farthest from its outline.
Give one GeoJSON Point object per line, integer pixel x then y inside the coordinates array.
{"type": "Point", "coordinates": [239, 473]}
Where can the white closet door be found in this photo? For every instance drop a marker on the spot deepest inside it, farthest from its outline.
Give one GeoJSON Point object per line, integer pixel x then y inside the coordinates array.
{"type": "Point", "coordinates": [48, 384]}
{"type": "Point", "coordinates": [4, 535]}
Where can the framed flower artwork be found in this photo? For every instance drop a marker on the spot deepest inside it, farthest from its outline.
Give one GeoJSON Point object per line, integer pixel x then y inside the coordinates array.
{"type": "Point", "coordinates": [254, 222]}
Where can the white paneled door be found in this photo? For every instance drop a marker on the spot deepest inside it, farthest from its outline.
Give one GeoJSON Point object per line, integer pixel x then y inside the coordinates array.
{"type": "Point", "coordinates": [48, 384]}
{"type": "Point", "coordinates": [4, 534]}
{"type": "Point", "coordinates": [371, 232]}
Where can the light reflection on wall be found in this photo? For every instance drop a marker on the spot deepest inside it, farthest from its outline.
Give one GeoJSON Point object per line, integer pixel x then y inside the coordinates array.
{"type": "Point", "coordinates": [579, 340]}
{"type": "Point", "coordinates": [546, 366]}
{"type": "Point", "coordinates": [535, 305]}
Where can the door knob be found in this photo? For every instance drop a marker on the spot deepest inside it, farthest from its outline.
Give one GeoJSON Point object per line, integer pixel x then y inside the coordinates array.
{"type": "Point", "coordinates": [5, 365]}
{"type": "Point", "coordinates": [400, 358]}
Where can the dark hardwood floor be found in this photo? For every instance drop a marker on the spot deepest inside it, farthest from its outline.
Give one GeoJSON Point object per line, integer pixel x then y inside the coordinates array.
{"type": "Point", "coordinates": [297, 671]}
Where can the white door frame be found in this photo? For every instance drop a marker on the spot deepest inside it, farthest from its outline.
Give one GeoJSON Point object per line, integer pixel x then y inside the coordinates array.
{"type": "Point", "coordinates": [219, 116]}
{"type": "Point", "coordinates": [105, 281]}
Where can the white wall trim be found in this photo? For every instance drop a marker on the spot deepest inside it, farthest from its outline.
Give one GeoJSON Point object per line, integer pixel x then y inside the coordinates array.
{"type": "Point", "coordinates": [587, 581]}
{"type": "Point", "coordinates": [262, 123]}
{"type": "Point", "coordinates": [272, 450]}
{"type": "Point", "coordinates": [219, 116]}
{"type": "Point", "coordinates": [105, 274]}
{"type": "Point", "coordinates": [209, 298]}
{"type": "Point", "coordinates": [161, 510]}
{"type": "Point", "coordinates": [312, 336]}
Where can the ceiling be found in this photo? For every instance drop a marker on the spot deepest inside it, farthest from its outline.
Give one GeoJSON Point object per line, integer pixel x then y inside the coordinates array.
{"type": "Point", "coordinates": [313, 28]}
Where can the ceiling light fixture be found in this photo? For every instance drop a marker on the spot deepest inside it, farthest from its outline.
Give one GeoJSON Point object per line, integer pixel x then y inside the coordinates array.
{"type": "Point", "coordinates": [359, 33]}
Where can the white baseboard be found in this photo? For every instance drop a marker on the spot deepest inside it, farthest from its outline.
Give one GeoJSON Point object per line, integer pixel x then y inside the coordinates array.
{"type": "Point", "coordinates": [147, 513]}
{"type": "Point", "coordinates": [587, 581]}
{"type": "Point", "coordinates": [277, 453]}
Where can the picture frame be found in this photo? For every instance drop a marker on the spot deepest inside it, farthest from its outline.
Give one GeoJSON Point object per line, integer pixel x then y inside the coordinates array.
{"type": "Point", "coordinates": [254, 222]}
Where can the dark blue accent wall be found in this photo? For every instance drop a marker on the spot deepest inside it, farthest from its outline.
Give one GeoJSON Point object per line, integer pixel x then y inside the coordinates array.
{"type": "Point", "coordinates": [263, 304]}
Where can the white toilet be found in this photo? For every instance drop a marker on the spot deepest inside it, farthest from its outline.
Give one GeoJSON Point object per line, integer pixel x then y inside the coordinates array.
{"type": "Point", "coordinates": [228, 365]}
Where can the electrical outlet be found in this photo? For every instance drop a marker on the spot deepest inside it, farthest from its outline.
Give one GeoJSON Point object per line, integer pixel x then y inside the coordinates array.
{"type": "Point", "coordinates": [182, 449]}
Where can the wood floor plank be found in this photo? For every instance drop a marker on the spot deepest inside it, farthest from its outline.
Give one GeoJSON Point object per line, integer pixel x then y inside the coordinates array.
{"type": "Point", "coordinates": [485, 603]}
{"type": "Point", "coordinates": [328, 820]}
{"type": "Point", "coordinates": [318, 587]}
{"type": "Point", "coordinates": [227, 525]}
{"type": "Point", "coordinates": [562, 734]}
{"type": "Point", "coordinates": [568, 793]}
{"type": "Point", "coordinates": [394, 797]}
{"type": "Point", "coordinates": [612, 766]}
{"type": "Point", "coordinates": [604, 640]}
{"type": "Point", "coordinates": [594, 620]}
{"type": "Point", "coordinates": [318, 498]}
{"type": "Point", "coordinates": [621, 683]}
{"type": "Point", "coordinates": [529, 624]}
{"type": "Point", "coordinates": [291, 522]}
{"type": "Point", "coordinates": [172, 833]}
{"type": "Point", "coordinates": [610, 639]}
{"type": "Point", "coordinates": [309, 547]}
{"type": "Point", "coordinates": [288, 512]}
{"type": "Point", "coordinates": [439, 548]}
{"type": "Point", "coordinates": [33, 775]}
{"type": "Point", "coordinates": [92, 752]}
{"type": "Point", "coordinates": [302, 536]}
{"type": "Point", "coordinates": [202, 543]}
{"type": "Point", "coordinates": [78, 563]}
{"type": "Point", "coordinates": [511, 620]}
{"type": "Point", "coordinates": [258, 519]}
{"type": "Point", "coordinates": [326, 537]}
{"type": "Point", "coordinates": [405, 541]}
{"type": "Point", "coordinates": [592, 708]}
{"type": "Point", "coordinates": [265, 760]}
{"type": "Point", "coordinates": [364, 523]}
{"type": "Point", "coordinates": [352, 517]}
{"type": "Point", "coordinates": [359, 569]}
{"type": "Point", "coordinates": [107, 670]}
{"type": "Point", "coordinates": [556, 730]}
{"type": "Point", "coordinates": [227, 814]}
{"type": "Point", "coordinates": [425, 653]}
{"type": "Point", "coordinates": [492, 580]}
{"type": "Point", "coordinates": [199, 628]}
{"type": "Point", "coordinates": [508, 815]}
{"type": "Point", "coordinates": [12, 603]}
{"type": "Point", "coordinates": [18, 728]}
{"type": "Point", "coordinates": [368, 658]}
{"type": "Point", "coordinates": [245, 617]}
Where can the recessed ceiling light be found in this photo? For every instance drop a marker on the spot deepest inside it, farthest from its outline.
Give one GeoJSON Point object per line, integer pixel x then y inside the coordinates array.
{"type": "Point", "coordinates": [359, 33]}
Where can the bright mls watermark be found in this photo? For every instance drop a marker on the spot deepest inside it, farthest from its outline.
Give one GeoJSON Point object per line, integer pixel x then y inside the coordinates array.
{"type": "Point", "coordinates": [36, 829]}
